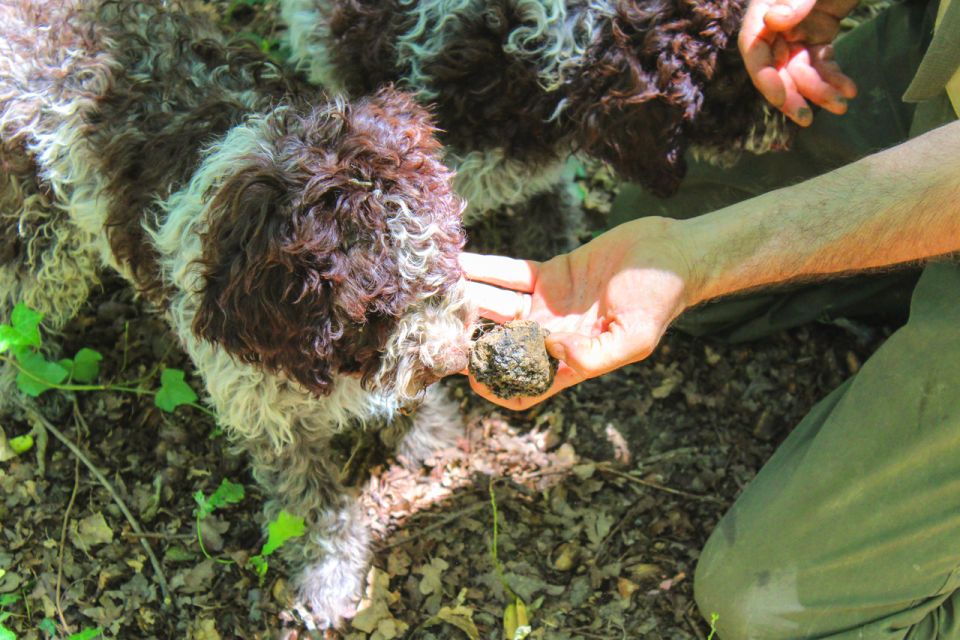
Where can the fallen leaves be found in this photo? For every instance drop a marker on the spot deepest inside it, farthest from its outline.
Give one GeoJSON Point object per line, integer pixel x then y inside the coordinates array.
{"type": "Point", "coordinates": [91, 531]}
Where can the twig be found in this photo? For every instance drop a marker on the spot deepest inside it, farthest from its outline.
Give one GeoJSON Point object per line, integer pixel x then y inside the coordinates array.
{"type": "Point", "coordinates": [586, 633]}
{"type": "Point", "coordinates": [477, 506]}
{"type": "Point", "coordinates": [667, 455]}
{"type": "Point", "coordinates": [158, 572]}
{"type": "Point", "coordinates": [606, 468]}
{"type": "Point", "coordinates": [63, 543]}
{"type": "Point", "coordinates": [154, 535]}
{"type": "Point", "coordinates": [604, 546]}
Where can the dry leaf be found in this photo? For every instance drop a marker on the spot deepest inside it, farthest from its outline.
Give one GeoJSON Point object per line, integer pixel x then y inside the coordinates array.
{"type": "Point", "coordinates": [91, 531]}
{"type": "Point", "coordinates": [431, 582]}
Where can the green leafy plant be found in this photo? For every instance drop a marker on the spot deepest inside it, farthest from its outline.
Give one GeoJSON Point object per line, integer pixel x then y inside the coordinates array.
{"type": "Point", "coordinates": [48, 627]}
{"type": "Point", "coordinates": [5, 601]}
{"type": "Point", "coordinates": [20, 343]}
{"type": "Point", "coordinates": [516, 622]}
{"type": "Point", "coordinates": [284, 527]}
{"type": "Point", "coordinates": [227, 493]}
{"type": "Point", "coordinates": [86, 634]}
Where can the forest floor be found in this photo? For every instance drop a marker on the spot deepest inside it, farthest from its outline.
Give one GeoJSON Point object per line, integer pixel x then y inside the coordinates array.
{"type": "Point", "coordinates": [605, 494]}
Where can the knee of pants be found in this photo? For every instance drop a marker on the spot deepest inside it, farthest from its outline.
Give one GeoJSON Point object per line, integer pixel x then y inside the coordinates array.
{"type": "Point", "coordinates": [714, 593]}
{"type": "Point", "coordinates": [727, 588]}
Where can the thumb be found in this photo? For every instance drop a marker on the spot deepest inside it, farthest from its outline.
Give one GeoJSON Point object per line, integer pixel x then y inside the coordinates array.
{"type": "Point", "coordinates": [594, 356]}
{"type": "Point", "coordinates": [787, 14]}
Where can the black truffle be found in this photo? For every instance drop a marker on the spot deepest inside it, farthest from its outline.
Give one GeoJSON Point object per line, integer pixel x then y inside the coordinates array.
{"type": "Point", "coordinates": [512, 360]}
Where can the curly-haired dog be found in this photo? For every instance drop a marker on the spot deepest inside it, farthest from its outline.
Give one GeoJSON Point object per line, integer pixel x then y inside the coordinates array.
{"type": "Point", "coordinates": [303, 249]}
{"type": "Point", "coordinates": [520, 84]}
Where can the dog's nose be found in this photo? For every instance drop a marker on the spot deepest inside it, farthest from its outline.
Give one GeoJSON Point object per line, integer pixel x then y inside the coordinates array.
{"type": "Point", "coordinates": [453, 359]}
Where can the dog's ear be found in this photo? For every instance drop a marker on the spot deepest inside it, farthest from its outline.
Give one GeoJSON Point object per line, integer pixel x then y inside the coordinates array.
{"type": "Point", "coordinates": [302, 269]}
{"type": "Point", "coordinates": [262, 300]}
{"type": "Point", "coordinates": [643, 84]}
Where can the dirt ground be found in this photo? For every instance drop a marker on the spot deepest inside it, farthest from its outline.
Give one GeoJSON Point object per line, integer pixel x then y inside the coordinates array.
{"type": "Point", "coordinates": [605, 494]}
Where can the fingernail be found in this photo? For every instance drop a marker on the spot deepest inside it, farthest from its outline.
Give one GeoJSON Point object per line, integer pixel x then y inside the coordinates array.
{"type": "Point", "coordinates": [840, 101]}
{"type": "Point", "coordinates": [804, 115]}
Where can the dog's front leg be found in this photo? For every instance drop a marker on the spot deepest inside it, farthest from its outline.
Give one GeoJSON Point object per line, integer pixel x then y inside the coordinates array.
{"type": "Point", "coordinates": [331, 560]}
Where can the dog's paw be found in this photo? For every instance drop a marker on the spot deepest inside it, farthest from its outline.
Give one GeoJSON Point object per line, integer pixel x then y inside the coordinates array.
{"type": "Point", "coordinates": [327, 593]}
{"type": "Point", "coordinates": [437, 424]}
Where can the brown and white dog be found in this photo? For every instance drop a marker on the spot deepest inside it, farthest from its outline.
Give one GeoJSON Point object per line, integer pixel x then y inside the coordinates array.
{"type": "Point", "coordinates": [519, 85]}
{"type": "Point", "coordinates": [304, 249]}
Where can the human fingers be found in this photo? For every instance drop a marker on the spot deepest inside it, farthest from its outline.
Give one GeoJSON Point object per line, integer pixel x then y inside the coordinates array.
{"type": "Point", "coordinates": [818, 28]}
{"type": "Point", "coordinates": [592, 356]}
{"type": "Point", "coordinates": [499, 305]}
{"type": "Point", "coordinates": [821, 57]}
{"type": "Point", "coordinates": [520, 275]}
{"type": "Point", "coordinates": [812, 86]}
{"type": "Point", "coordinates": [758, 56]}
{"type": "Point", "coordinates": [784, 15]}
{"type": "Point", "coordinates": [794, 106]}
{"type": "Point", "coordinates": [565, 378]}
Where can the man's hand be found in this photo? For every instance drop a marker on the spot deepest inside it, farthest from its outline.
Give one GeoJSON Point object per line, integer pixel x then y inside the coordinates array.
{"type": "Point", "coordinates": [786, 47]}
{"type": "Point", "coordinates": [606, 304]}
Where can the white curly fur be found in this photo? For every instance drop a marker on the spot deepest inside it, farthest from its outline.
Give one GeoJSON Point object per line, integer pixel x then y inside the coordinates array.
{"type": "Point", "coordinates": [47, 92]}
{"type": "Point", "coordinates": [307, 35]}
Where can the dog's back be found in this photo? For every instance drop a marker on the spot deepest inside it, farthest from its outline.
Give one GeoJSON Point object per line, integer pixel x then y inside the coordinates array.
{"type": "Point", "coordinates": [104, 110]}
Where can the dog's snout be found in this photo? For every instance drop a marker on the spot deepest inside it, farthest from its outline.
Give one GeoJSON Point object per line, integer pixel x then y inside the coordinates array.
{"type": "Point", "coordinates": [453, 360]}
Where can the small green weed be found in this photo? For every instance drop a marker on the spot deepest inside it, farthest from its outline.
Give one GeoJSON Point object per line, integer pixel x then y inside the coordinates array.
{"type": "Point", "coordinates": [20, 343]}
{"type": "Point", "coordinates": [713, 625]}
{"type": "Point", "coordinates": [47, 626]}
{"type": "Point", "coordinates": [227, 493]}
{"type": "Point", "coordinates": [5, 601]}
{"type": "Point", "coordinates": [284, 527]}
{"type": "Point", "coordinates": [516, 623]}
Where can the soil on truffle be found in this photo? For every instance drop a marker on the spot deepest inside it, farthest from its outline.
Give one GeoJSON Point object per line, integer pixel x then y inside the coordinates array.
{"type": "Point", "coordinates": [512, 360]}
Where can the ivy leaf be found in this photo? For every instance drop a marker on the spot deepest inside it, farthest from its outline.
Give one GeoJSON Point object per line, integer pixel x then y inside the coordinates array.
{"type": "Point", "coordinates": [260, 566]}
{"type": "Point", "coordinates": [86, 634]}
{"type": "Point", "coordinates": [23, 330]}
{"type": "Point", "coordinates": [49, 627]}
{"type": "Point", "coordinates": [21, 444]}
{"type": "Point", "coordinates": [284, 527]}
{"type": "Point", "coordinates": [227, 493]}
{"type": "Point", "coordinates": [86, 365]}
{"type": "Point", "coordinates": [6, 634]}
{"type": "Point", "coordinates": [174, 391]}
{"type": "Point", "coordinates": [37, 374]}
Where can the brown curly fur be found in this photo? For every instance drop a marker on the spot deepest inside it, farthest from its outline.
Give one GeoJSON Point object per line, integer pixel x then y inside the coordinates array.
{"type": "Point", "coordinates": [658, 78]}
{"type": "Point", "coordinates": [663, 76]}
{"type": "Point", "coordinates": [298, 275]}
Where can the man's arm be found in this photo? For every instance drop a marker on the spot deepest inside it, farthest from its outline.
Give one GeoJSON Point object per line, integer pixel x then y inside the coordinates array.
{"type": "Point", "coordinates": [896, 206]}
{"type": "Point", "coordinates": [608, 302]}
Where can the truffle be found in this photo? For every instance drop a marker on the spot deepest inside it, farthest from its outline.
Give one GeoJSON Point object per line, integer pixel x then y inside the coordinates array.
{"type": "Point", "coordinates": [512, 360]}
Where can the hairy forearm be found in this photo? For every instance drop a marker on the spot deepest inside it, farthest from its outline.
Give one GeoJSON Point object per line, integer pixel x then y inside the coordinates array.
{"type": "Point", "coordinates": [896, 206]}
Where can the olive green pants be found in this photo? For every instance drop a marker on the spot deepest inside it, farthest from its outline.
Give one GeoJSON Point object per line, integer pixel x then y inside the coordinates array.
{"type": "Point", "coordinates": [852, 528]}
